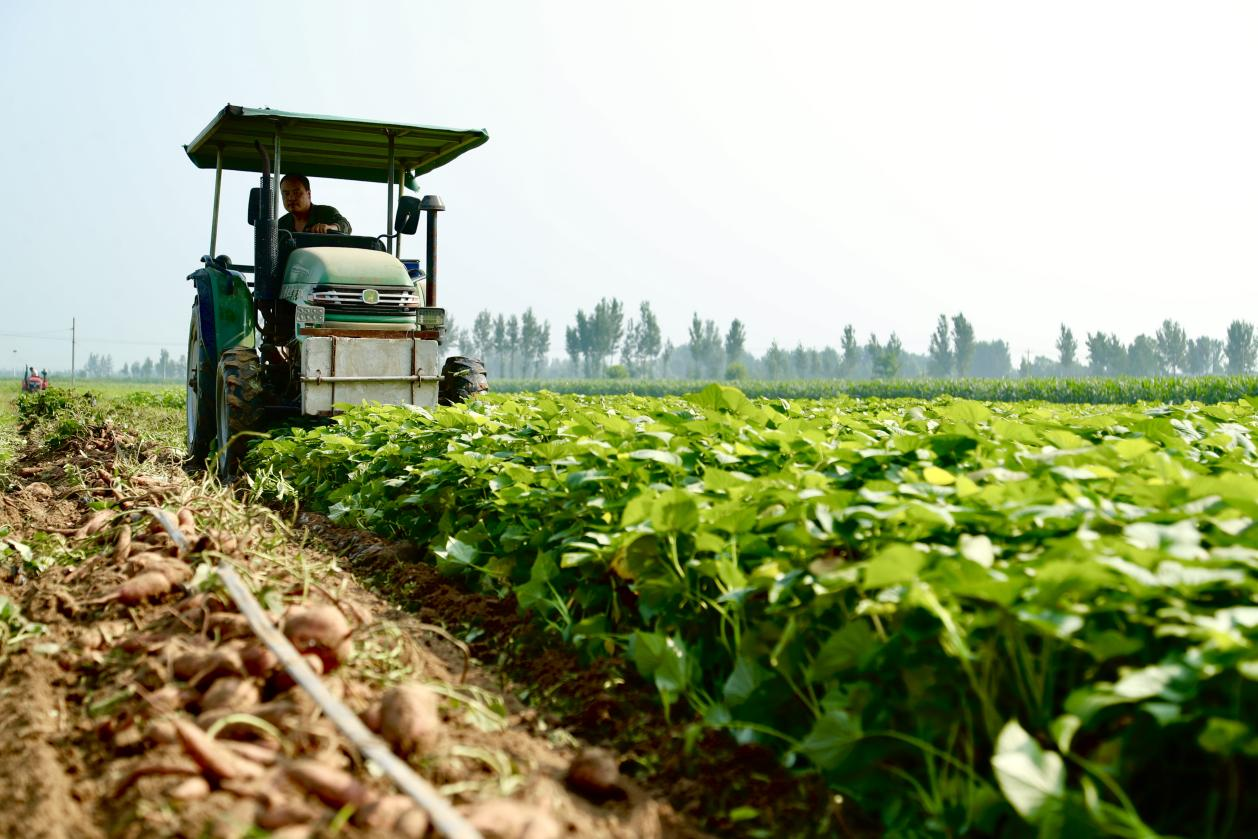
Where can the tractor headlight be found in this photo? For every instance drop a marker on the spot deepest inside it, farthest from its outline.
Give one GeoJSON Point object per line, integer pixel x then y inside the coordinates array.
{"type": "Point", "coordinates": [431, 318]}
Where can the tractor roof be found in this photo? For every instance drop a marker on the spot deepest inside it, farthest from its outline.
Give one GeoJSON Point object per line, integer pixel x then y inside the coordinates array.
{"type": "Point", "coordinates": [326, 147]}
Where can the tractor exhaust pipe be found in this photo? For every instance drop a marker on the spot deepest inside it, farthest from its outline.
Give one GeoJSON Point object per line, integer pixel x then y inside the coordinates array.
{"type": "Point", "coordinates": [431, 204]}
{"type": "Point", "coordinates": [265, 244]}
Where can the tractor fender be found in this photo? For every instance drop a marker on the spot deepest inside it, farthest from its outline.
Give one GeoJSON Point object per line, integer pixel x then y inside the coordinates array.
{"type": "Point", "coordinates": [225, 309]}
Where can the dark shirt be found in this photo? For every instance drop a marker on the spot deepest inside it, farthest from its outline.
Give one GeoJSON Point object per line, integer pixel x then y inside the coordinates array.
{"type": "Point", "coordinates": [319, 214]}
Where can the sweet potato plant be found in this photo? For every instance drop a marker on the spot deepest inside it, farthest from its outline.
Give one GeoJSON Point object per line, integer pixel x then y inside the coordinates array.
{"type": "Point", "coordinates": [971, 617]}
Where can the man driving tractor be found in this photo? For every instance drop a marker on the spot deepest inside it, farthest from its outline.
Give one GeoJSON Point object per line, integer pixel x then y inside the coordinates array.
{"type": "Point", "coordinates": [303, 216]}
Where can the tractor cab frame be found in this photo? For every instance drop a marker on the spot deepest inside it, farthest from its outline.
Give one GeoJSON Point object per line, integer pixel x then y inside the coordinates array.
{"type": "Point", "coordinates": [318, 319]}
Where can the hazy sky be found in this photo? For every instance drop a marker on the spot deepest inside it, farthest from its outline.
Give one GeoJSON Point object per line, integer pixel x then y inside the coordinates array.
{"type": "Point", "coordinates": [796, 165]}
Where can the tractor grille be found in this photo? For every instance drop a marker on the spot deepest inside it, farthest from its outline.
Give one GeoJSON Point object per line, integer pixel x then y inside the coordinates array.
{"type": "Point", "coordinates": [352, 300]}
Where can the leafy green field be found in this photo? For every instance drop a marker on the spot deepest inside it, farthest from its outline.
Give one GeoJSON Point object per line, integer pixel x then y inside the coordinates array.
{"type": "Point", "coordinates": [970, 617]}
{"type": "Point", "coordinates": [1111, 391]}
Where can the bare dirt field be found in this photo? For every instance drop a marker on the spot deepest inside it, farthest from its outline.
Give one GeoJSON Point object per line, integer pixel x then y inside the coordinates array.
{"type": "Point", "coordinates": [136, 700]}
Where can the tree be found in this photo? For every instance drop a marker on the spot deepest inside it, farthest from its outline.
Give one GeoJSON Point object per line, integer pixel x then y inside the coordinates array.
{"type": "Point", "coordinates": [599, 333]}
{"type": "Point", "coordinates": [991, 359]}
{"type": "Point", "coordinates": [735, 341]}
{"type": "Point", "coordinates": [1205, 356]}
{"type": "Point", "coordinates": [641, 344]}
{"type": "Point", "coordinates": [962, 344]}
{"type": "Point", "coordinates": [534, 342]}
{"type": "Point", "coordinates": [649, 338]}
{"type": "Point", "coordinates": [1067, 348]}
{"type": "Point", "coordinates": [851, 353]}
{"type": "Point", "coordinates": [776, 361]}
{"type": "Point", "coordinates": [1142, 357]}
{"type": "Point", "coordinates": [1106, 354]}
{"type": "Point", "coordinates": [941, 349]}
{"type": "Point", "coordinates": [572, 346]}
{"type": "Point", "coordinates": [1172, 347]}
{"type": "Point", "coordinates": [1241, 348]}
{"type": "Point", "coordinates": [888, 364]}
{"type": "Point", "coordinates": [513, 343]}
{"type": "Point", "coordinates": [705, 346]}
{"type": "Point", "coordinates": [482, 335]}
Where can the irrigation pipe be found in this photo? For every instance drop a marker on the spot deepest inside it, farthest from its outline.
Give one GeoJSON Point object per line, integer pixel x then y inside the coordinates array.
{"type": "Point", "coordinates": [445, 818]}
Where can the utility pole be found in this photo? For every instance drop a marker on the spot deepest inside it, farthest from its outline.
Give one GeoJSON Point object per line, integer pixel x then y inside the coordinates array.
{"type": "Point", "coordinates": [73, 346]}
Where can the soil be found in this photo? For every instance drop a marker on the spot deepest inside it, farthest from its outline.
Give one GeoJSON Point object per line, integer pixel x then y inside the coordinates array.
{"type": "Point", "coordinates": [90, 706]}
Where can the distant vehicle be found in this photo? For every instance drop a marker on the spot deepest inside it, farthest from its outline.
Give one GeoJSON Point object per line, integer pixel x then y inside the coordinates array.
{"type": "Point", "coordinates": [33, 380]}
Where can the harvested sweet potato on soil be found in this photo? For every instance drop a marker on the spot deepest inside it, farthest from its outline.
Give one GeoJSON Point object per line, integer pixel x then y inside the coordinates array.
{"type": "Point", "coordinates": [122, 547]}
{"type": "Point", "coordinates": [506, 819]}
{"type": "Point", "coordinates": [93, 524]}
{"type": "Point", "coordinates": [230, 693]}
{"type": "Point", "coordinates": [258, 659]}
{"type": "Point", "coordinates": [331, 786]}
{"type": "Point", "coordinates": [321, 630]}
{"type": "Point", "coordinates": [213, 757]}
{"type": "Point", "coordinates": [409, 719]}
{"type": "Point", "coordinates": [200, 667]}
{"type": "Point", "coordinates": [396, 813]}
{"type": "Point", "coordinates": [143, 587]}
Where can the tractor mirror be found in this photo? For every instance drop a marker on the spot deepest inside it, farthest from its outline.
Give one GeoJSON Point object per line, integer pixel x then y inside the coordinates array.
{"type": "Point", "coordinates": [407, 219]}
{"type": "Point", "coordinates": [255, 205]}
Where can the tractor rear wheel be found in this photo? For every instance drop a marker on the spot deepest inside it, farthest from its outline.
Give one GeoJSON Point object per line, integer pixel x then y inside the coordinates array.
{"type": "Point", "coordinates": [462, 378]}
{"type": "Point", "coordinates": [239, 398]}
{"type": "Point", "coordinates": [200, 399]}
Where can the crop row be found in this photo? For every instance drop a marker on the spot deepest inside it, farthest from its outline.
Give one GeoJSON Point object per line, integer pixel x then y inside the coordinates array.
{"type": "Point", "coordinates": [1095, 391]}
{"type": "Point", "coordinates": [968, 617]}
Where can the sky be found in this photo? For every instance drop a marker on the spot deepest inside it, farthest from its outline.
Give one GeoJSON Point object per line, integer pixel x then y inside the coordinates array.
{"type": "Point", "coordinates": [799, 166]}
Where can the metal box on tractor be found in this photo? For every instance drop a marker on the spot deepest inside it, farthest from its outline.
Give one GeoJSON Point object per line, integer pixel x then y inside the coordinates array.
{"type": "Point", "coordinates": [326, 318]}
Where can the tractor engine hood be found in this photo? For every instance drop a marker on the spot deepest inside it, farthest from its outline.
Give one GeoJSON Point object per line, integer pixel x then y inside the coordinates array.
{"type": "Point", "coordinates": [345, 266]}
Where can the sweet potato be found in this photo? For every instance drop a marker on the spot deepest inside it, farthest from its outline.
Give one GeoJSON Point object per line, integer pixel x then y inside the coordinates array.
{"type": "Point", "coordinates": [187, 521]}
{"type": "Point", "coordinates": [122, 547]}
{"type": "Point", "coordinates": [145, 586]}
{"type": "Point", "coordinates": [258, 659]}
{"type": "Point", "coordinates": [173, 569]}
{"type": "Point", "coordinates": [282, 813]}
{"type": "Point", "coordinates": [94, 523]}
{"type": "Point", "coordinates": [200, 667]}
{"type": "Point", "coordinates": [331, 786]}
{"type": "Point", "coordinates": [503, 818]}
{"type": "Point", "coordinates": [228, 625]}
{"type": "Point", "coordinates": [321, 630]}
{"type": "Point", "coordinates": [409, 719]}
{"type": "Point", "coordinates": [213, 757]}
{"type": "Point", "coordinates": [384, 813]}
{"type": "Point", "coordinates": [232, 693]}
{"type": "Point", "coordinates": [191, 789]}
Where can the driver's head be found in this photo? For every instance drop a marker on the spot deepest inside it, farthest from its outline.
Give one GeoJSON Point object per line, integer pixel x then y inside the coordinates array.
{"type": "Point", "coordinates": [295, 190]}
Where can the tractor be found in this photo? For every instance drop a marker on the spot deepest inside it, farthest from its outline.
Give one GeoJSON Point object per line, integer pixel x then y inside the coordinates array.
{"type": "Point", "coordinates": [319, 319]}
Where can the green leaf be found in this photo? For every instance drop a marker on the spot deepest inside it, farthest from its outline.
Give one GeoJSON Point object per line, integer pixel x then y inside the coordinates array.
{"type": "Point", "coordinates": [895, 564]}
{"type": "Point", "coordinates": [675, 511]}
{"type": "Point", "coordinates": [1032, 780]}
{"type": "Point", "coordinates": [831, 739]}
{"type": "Point", "coordinates": [843, 649]}
{"type": "Point", "coordinates": [1223, 736]}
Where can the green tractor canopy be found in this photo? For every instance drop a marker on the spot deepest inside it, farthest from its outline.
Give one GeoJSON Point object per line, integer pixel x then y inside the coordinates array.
{"type": "Point", "coordinates": [327, 146]}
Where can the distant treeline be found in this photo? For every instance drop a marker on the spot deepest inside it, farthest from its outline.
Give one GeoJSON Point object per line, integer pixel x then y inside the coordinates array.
{"type": "Point", "coordinates": [604, 343]}
{"type": "Point", "coordinates": [1081, 390]}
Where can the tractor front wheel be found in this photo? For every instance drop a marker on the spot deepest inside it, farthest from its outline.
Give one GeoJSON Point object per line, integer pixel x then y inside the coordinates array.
{"type": "Point", "coordinates": [200, 399]}
{"type": "Point", "coordinates": [239, 398]}
{"type": "Point", "coordinates": [462, 378]}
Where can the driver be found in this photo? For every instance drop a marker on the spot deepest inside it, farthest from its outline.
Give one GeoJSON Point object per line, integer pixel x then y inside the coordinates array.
{"type": "Point", "coordinates": [304, 217]}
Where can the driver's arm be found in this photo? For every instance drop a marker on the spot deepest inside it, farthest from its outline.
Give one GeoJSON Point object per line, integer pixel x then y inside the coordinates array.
{"type": "Point", "coordinates": [328, 215]}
